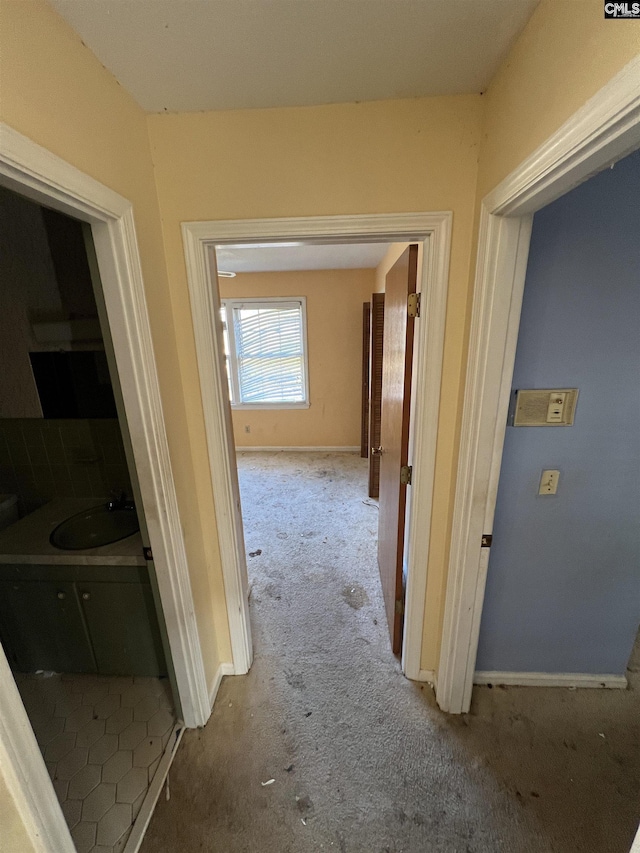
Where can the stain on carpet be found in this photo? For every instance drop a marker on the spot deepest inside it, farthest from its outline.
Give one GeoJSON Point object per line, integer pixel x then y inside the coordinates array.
{"type": "Point", "coordinates": [355, 596]}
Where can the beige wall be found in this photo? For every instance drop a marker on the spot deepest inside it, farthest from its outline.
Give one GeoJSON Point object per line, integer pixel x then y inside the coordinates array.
{"type": "Point", "coordinates": [334, 338]}
{"type": "Point", "coordinates": [391, 256]}
{"type": "Point", "coordinates": [57, 93]}
{"type": "Point", "coordinates": [565, 54]}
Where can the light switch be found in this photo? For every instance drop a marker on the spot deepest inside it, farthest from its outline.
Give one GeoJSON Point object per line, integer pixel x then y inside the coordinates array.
{"type": "Point", "coordinates": [555, 409]}
{"type": "Point", "coordinates": [549, 482]}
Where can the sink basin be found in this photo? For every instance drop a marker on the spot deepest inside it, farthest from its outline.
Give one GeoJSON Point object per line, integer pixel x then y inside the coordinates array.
{"type": "Point", "coordinates": [94, 527]}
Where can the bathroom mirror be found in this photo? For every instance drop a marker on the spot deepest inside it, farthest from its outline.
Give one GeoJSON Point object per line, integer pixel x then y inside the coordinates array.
{"type": "Point", "coordinates": [73, 384]}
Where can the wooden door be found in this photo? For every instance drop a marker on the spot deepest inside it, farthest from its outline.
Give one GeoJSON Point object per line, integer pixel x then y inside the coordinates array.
{"type": "Point", "coordinates": [364, 417]}
{"type": "Point", "coordinates": [401, 281]}
{"type": "Point", "coordinates": [376, 347]}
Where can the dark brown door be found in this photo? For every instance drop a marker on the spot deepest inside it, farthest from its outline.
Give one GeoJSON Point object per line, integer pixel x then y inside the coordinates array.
{"type": "Point", "coordinates": [394, 435]}
{"type": "Point", "coordinates": [364, 418]}
{"type": "Point", "coordinates": [375, 383]}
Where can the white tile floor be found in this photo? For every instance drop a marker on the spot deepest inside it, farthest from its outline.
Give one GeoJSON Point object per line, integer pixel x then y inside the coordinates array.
{"type": "Point", "coordinates": [102, 739]}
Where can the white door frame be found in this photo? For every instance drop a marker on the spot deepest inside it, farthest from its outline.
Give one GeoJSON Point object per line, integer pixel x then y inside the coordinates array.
{"type": "Point", "coordinates": [36, 173]}
{"type": "Point", "coordinates": [606, 128]}
{"type": "Point", "coordinates": [433, 230]}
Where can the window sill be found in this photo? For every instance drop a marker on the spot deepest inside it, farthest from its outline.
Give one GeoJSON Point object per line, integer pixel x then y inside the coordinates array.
{"type": "Point", "coordinates": [268, 406]}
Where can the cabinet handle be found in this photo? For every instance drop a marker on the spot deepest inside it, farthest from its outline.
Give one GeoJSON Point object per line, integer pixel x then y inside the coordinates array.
{"type": "Point", "coordinates": [62, 595]}
{"type": "Point", "coordinates": [86, 596]}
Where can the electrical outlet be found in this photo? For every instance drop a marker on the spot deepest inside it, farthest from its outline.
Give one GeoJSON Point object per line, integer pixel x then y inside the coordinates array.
{"type": "Point", "coordinates": [549, 482]}
{"type": "Point", "coordinates": [247, 428]}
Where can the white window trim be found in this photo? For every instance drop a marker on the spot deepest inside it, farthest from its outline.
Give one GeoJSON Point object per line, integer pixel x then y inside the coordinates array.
{"type": "Point", "coordinates": [233, 361]}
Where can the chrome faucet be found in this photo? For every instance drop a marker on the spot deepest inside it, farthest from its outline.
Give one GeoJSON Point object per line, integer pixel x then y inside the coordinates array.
{"type": "Point", "coordinates": [119, 500]}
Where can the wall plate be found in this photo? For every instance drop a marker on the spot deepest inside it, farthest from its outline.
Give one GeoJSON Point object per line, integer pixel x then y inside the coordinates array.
{"type": "Point", "coordinates": [545, 407]}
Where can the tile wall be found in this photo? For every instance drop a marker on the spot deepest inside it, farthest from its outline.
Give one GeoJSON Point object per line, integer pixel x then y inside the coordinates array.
{"type": "Point", "coordinates": [42, 459]}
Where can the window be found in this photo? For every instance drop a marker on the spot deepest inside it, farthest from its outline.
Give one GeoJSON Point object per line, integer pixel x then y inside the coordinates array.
{"type": "Point", "coordinates": [265, 352]}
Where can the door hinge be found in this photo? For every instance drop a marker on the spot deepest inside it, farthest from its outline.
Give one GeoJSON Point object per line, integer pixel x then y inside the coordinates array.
{"type": "Point", "coordinates": [405, 475]}
{"type": "Point", "coordinates": [487, 539]}
{"type": "Point", "coordinates": [399, 606]}
{"type": "Point", "coordinates": [413, 305]}
{"type": "Point", "coordinates": [148, 553]}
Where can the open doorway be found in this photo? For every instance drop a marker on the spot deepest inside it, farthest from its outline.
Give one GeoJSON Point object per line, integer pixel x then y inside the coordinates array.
{"type": "Point", "coordinates": [594, 138]}
{"type": "Point", "coordinates": [431, 231]}
{"type": "Point", "coordinates": [294, 341]}
{"type": "Point", "coordinates": [80, 618]}
{"type": "Point", "coordinates": [560, 609]}
{"type": "Point", "coordinates": [561, 602]}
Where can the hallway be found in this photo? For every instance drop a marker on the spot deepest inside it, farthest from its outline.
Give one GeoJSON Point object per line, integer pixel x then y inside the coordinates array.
{"type": "Point", "coordinates": [362, 760]}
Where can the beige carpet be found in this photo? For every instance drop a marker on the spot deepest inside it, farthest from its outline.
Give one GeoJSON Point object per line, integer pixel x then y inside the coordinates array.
{"type": "Point", "coordinates": [362, 760]}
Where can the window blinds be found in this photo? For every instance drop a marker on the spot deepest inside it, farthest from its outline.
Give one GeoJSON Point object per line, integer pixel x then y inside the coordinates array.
{"type": "Point", "coordinates": [269, 350]}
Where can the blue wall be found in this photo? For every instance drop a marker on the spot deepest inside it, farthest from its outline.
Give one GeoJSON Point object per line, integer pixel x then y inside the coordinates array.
{"type": "Point", "coordinates": [563, 589]}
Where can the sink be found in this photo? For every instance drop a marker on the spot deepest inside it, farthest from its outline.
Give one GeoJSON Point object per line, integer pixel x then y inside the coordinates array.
{"type": "Point", "coordinates": [94, 527]}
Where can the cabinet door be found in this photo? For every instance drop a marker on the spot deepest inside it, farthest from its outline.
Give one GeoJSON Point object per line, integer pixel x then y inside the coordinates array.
{"type": "Point", "coordinates": [42, 627]}
{"type": "Point", "coordinates": [123, 626]}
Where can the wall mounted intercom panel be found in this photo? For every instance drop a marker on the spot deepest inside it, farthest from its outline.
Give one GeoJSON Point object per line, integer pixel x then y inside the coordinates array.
{"type": "Point", "coordinates": [544, 407]}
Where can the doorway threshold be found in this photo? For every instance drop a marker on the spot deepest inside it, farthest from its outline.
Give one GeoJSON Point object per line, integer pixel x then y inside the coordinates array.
{"type": "Point", "coordinates": [153, 792]}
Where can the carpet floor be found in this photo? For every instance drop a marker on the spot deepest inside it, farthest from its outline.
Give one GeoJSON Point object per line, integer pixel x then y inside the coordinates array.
{"type": "Point", "coordinates": [324, 745]}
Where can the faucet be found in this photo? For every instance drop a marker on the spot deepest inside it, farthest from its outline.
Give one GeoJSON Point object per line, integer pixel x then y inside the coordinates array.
{"type": "Point", "coordinates": [119, 500]}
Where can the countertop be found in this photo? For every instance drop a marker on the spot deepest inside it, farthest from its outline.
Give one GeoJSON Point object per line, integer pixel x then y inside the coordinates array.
{"type": "Point", "coordinates": [27, 541]}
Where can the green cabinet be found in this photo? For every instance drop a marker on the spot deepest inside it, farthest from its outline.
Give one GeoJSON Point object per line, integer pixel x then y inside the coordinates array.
{"type": "Point", "coordinates": [123, 627]}
{"type": "Point", "coordinates": [41, 626]}
{"type": "Point", "coordinates": [80, 619]}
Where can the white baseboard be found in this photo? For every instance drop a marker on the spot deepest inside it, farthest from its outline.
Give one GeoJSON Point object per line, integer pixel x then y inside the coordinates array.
{"type": "Point", "coordinates": [550, 679]}
{"type": "Point", "coordinates": [223, 669]}
{"type": "Point", "coordinates": [354, 449]}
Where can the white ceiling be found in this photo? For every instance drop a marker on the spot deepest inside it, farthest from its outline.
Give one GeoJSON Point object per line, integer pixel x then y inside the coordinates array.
{"type": "Point", "coordinates": [277, 258]}
{"type": "Point", "coordinates": [188, 55]}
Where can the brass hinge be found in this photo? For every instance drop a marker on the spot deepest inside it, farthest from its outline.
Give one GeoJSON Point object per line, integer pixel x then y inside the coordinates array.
{"type": "Point", "coordinates": [413, 305]}
{"type": "Point", "coordinates": [405, 475]}
{"type": "Point", "coordinates": [400, 606]}
{"type": "Point", "coordinates": [148, 553]}
{"type": "Point", "coordinates": [487, 539]}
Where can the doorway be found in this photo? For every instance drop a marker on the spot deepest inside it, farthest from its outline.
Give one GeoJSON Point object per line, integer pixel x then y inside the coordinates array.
{"type": "Point", "coordinates": [80, 618]}
{"type": "Point", "coordinates": [562, 591]}
{"type": "Point", "coordinates": [291, 319]}
{"type": "Point", "coordinates": [432, 231]}
{"type": "Point", "coordinates": [43, 178]}
{"type": "Point", "coordinates": [604, 130]}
